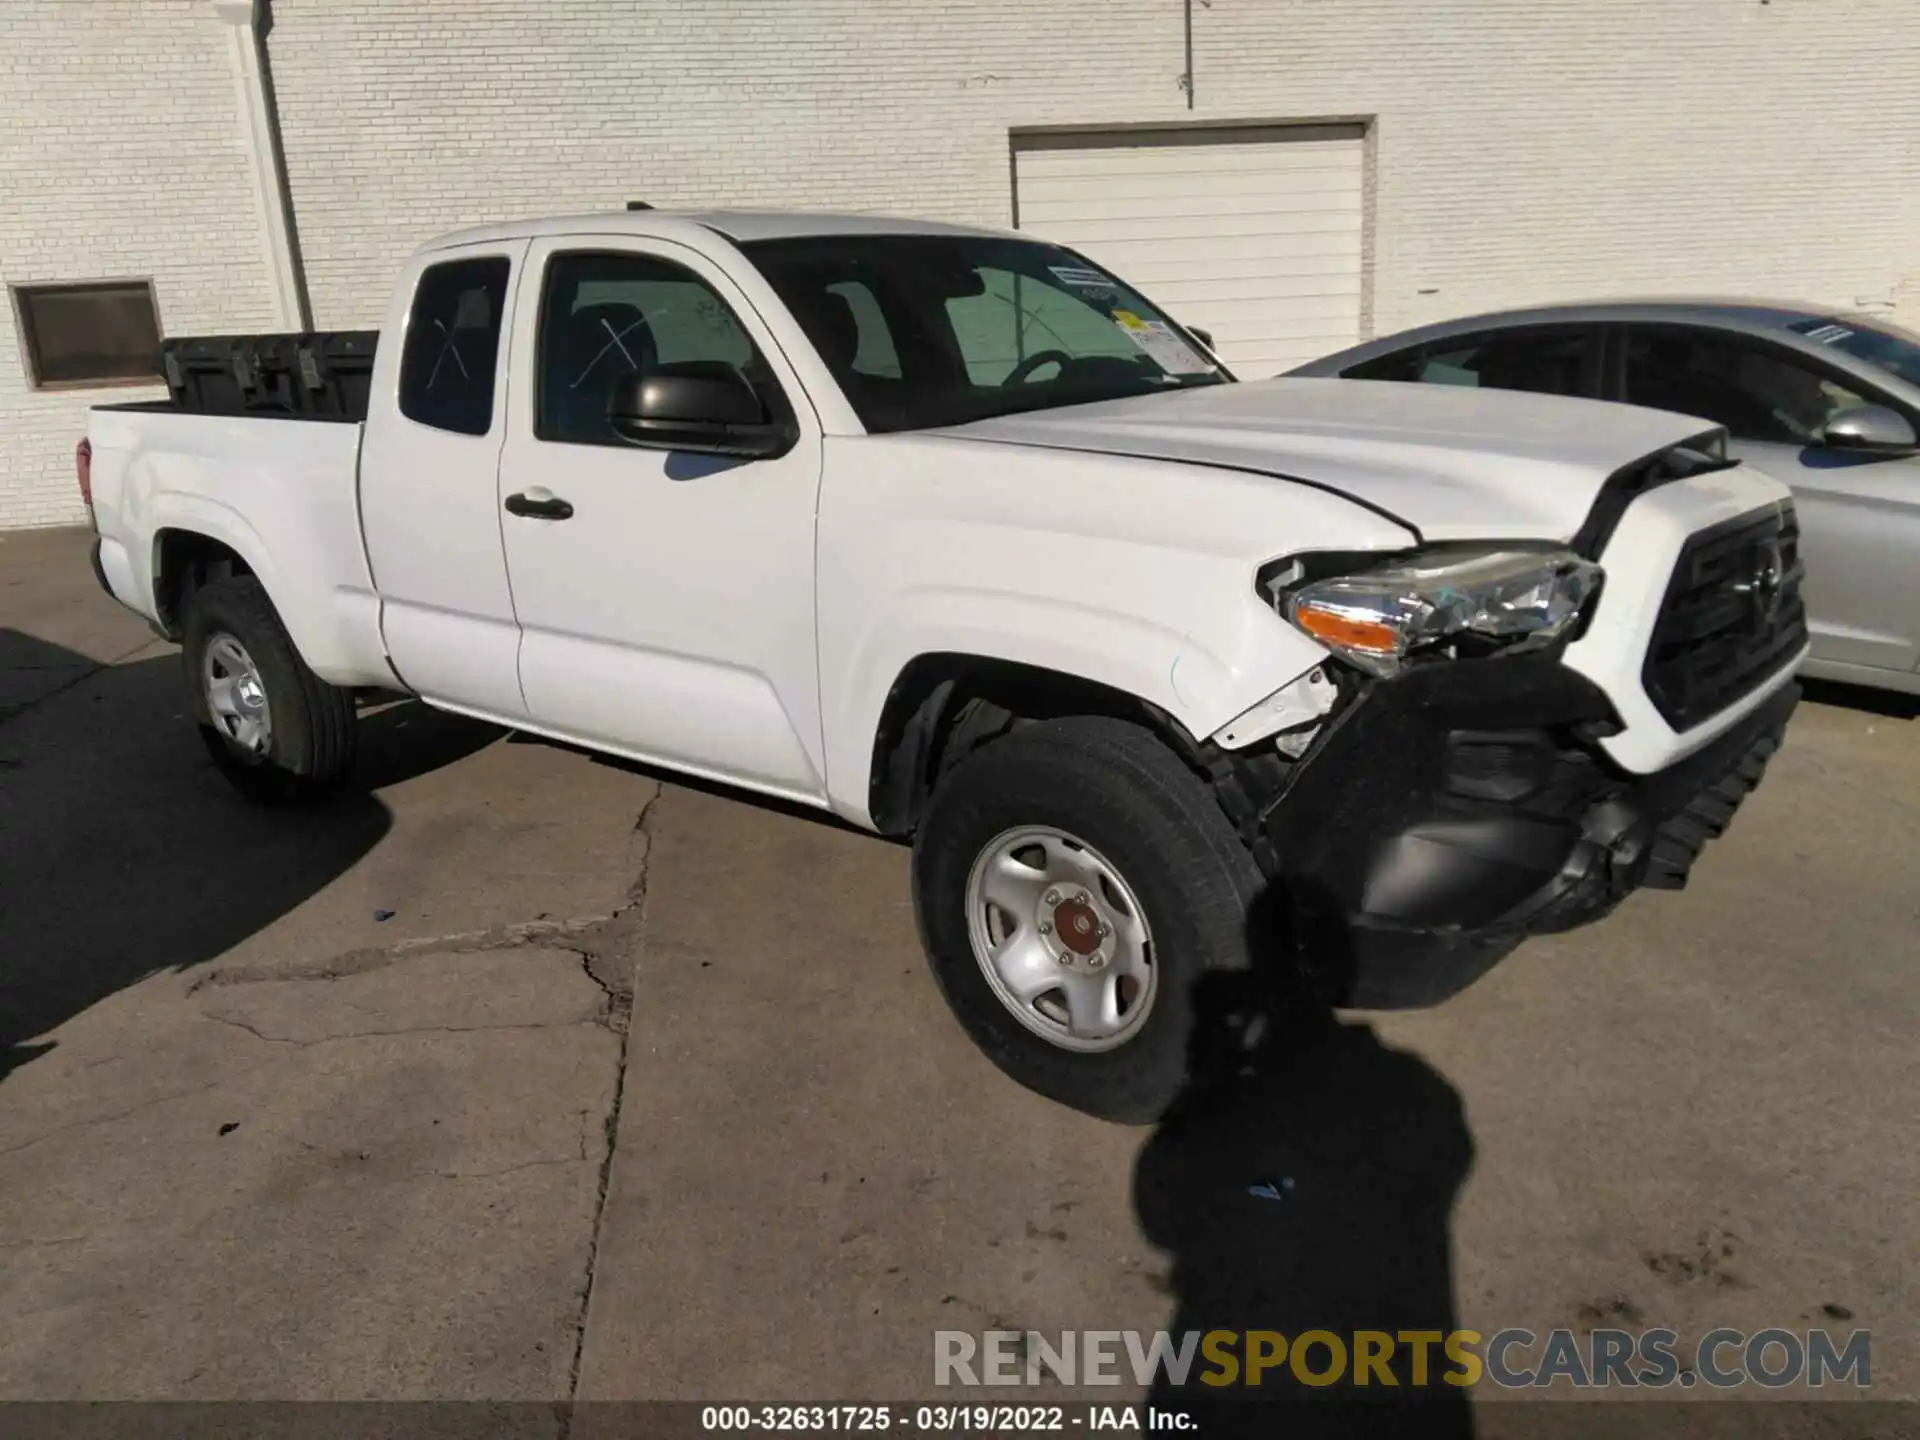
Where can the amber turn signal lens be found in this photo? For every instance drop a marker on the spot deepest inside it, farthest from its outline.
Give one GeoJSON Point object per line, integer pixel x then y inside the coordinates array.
{"type": "Point", "coordinates": [1346, 632]}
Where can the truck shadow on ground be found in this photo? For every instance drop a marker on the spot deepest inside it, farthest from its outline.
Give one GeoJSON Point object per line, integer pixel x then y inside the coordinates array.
{"type": "Point", "coordinates": [1313, 1190]}
{"type": "Point", "coordinates": [123, 852]}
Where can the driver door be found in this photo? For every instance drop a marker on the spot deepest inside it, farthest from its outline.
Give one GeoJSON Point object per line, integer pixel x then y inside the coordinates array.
{"type": "Point", "coordinates": [1859, 512]}
{"type": "Point", "coordinates": [665, 599]}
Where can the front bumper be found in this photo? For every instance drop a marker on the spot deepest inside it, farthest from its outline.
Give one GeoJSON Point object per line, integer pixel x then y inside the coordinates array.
{"type": "Point", "coordinates": [1444, 816]}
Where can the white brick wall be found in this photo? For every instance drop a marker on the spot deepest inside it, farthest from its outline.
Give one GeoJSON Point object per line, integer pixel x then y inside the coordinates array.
{"type": "Point", "coordinates": [1526, 150]}
{"type": "Point", "coordinates": [120, 157]}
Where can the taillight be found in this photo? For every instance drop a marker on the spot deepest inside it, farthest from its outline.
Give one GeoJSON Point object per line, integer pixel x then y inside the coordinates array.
{"type": "Point", "coordinates": [83, 467]}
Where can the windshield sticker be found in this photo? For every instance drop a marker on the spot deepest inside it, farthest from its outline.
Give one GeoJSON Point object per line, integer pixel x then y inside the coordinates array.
{"type": "Point", "coordinates": [1081, 277]}
{"type": "Point", "coordinates": [1159, 343]}
{"type": "Point", "coordinates": [1830, 334]}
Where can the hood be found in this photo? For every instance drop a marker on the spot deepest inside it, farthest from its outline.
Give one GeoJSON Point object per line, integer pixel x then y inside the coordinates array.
{"type": "Point", "coordinates": [1449, 462]}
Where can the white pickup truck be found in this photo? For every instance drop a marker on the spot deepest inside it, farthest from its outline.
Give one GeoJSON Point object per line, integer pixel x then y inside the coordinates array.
{"type": "Point", "coordinates": [952, 533]}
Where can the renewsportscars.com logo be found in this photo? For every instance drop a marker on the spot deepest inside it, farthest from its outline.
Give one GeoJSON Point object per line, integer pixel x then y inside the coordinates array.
{"type": "Point", "coordinates": [1320, 1359]}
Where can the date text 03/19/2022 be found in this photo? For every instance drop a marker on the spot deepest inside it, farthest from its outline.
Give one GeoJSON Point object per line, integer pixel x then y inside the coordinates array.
{"type": "Point", "coordinates": [941, 1419]}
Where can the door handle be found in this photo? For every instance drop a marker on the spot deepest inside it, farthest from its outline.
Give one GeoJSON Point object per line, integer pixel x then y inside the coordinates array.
{"type": "Point", "coordinates": [539, 504]}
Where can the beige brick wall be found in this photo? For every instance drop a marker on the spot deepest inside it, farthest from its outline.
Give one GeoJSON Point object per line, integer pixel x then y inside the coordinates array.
{"type": "Point", "coordinates": [120, 157]}
{"type": "Point", "coordinates": [1526, 150]}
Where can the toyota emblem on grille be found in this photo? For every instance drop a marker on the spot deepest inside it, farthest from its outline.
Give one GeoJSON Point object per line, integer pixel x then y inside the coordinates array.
{"type": "Point", "coordinates": [1764, 586]}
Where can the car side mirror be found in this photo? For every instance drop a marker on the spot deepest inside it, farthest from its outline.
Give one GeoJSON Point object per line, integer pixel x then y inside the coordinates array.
{"type": "Point", "coordinates": [1205, 337]}
{"type": "Point", "coordinates": [700, 407]}
{"type": "Point", "coordinates": [1870, 427]}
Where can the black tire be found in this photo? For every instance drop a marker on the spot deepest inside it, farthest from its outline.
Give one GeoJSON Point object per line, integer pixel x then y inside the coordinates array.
{"type": "Point", "coordinates": [313, 730]}
{"type": "Point", "coordinates": [1118, 789]}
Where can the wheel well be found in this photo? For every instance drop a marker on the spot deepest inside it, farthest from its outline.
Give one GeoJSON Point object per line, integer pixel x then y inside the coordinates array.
{"type": "Point", "coordinates": [944, 706]}
{"type": "Point", "coordinates": [183, 561]}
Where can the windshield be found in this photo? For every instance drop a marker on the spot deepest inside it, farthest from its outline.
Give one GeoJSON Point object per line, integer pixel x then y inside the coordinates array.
{"type": "Point", "coordinates": [1880, 343]}
{"type": "Point", "coordinates": [929, 330]}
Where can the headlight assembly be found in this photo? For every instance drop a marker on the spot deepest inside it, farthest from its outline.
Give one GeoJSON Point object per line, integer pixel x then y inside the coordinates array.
{"type": "Point", "coordinates": [1463, 602]}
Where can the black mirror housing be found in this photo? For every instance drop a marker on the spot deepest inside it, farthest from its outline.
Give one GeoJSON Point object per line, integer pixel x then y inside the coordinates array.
{"type": "Point", "coordinates": [699, 407]}
{"type": "Point", "coordinates": [1205, 337]}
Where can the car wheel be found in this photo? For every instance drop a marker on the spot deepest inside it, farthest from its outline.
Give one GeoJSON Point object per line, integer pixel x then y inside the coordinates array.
{"type": "Point", "coordinates": [279, 732]}
{"type": "Point", "coordinates": [1074, 883]}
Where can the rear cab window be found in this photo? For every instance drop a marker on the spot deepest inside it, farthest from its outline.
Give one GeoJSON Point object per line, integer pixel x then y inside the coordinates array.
{"type": "Point", "coordinates": [451, 357]}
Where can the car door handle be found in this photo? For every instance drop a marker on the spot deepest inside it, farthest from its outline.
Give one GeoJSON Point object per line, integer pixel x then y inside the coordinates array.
{"type": "Point", "coordinates": [539, 504]}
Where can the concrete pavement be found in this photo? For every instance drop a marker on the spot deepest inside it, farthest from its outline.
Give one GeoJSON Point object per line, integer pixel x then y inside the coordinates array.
{"type": "Point", "coordinates": [299, 1107]}
{"type": "Point", "coordinates": [259, 1143]}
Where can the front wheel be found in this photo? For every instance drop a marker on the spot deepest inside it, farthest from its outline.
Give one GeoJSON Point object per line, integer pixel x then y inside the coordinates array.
{"type": "Point", "coordinates": [1075, 883]}
{"type": "Point", "coordinates": [276, 730]}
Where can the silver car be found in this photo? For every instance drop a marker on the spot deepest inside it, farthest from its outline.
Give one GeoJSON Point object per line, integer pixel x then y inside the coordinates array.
{"type": "Point", "coordinates": [1828, 403]}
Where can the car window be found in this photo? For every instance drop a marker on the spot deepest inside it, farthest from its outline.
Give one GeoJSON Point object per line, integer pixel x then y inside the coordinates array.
{"type": "Point", "coordinates": [1881, 343]}
{"type": "Point", "coordinates": [1756, 393]}
{"type": "Point", "coordinates": [608, 316]}
{"type": "Point", "coordinates": [1552, 361]}
{"type": "Point", "coordinates": [923, 331]}
{"type": "Point", "coordinates": [453, 345]}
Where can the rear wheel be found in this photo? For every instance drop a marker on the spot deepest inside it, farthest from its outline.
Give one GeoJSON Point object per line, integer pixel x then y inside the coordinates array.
{"type": "Point", "coordinates": [279, 732]}
{"type": "Point", "coordinates": [1075, 884]}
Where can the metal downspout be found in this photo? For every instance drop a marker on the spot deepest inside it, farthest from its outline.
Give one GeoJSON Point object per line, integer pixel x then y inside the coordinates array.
{"type": "Point", "coordinates": [1189, 41]}
{"type": "Point", "coordinates": [247, 23]}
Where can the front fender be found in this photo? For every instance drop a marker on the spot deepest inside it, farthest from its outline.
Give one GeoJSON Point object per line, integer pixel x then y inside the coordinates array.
{"type": "Point", "coordinates": [1201, 680]}
{"type": "Point", "coordinates": [1138, 575]}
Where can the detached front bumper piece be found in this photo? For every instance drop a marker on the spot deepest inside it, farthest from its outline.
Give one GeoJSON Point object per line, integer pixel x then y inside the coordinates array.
{"type": "Point", "coordinates": [1446, 815]}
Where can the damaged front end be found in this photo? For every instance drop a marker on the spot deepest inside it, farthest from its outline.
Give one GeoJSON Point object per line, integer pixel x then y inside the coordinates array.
{"type": "Point", "coordinates": [1442, 816]}
{"type": "Point", "coordinates": [1436, 791]}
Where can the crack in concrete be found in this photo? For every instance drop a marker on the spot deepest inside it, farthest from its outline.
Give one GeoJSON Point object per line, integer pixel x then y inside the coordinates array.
{"type": "Point", "coordinates": [599, 943]}
{"type": "Point", "coordinates": [94, 1120]}
{"type": "Point", "coordinates": [595, 941]}
{"type": "Point", "coordinates": [530, 934]}
{"type": "Point", "coordinates": [507, 1169]}
{"type": "Point", "coordinates": [630, 922]}
{"type": "Point", "coordinates": [260, 1034]}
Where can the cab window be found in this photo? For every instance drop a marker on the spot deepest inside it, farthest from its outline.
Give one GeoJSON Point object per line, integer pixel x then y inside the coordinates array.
{"type": "Point", "coordinates": [452, 350]}
{"type": "Point", "coordinates": [608, 316]}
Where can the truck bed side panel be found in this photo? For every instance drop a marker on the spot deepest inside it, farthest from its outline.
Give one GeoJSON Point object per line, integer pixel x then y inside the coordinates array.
{"type": "Point", "coordinates": [281, 493]}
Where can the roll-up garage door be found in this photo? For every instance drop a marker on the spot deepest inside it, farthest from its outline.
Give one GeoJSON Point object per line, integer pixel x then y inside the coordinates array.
{"type": "Point", "coordinates": [1251, 233]}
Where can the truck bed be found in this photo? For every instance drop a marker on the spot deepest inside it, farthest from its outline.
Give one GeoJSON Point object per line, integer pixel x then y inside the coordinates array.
{"type": "Point", "coordinates": [323, 375]}
{"type": "Point", "coordinates": [281, 491]}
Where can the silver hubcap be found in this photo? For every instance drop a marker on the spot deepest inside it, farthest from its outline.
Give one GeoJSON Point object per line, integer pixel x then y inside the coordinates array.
{"type": "Point", "coordinates": [1061, 938]}
{"type": "Point", "coordinates": [236, 695]}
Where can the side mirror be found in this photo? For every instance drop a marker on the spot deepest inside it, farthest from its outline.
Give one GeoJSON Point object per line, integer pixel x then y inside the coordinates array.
{"type": "Point", "coordinates": [1205, 337]}
{"type": "Point", "coordinates": [1870, 427]}
{"type": "Point", "coordinates": [700, 407]}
